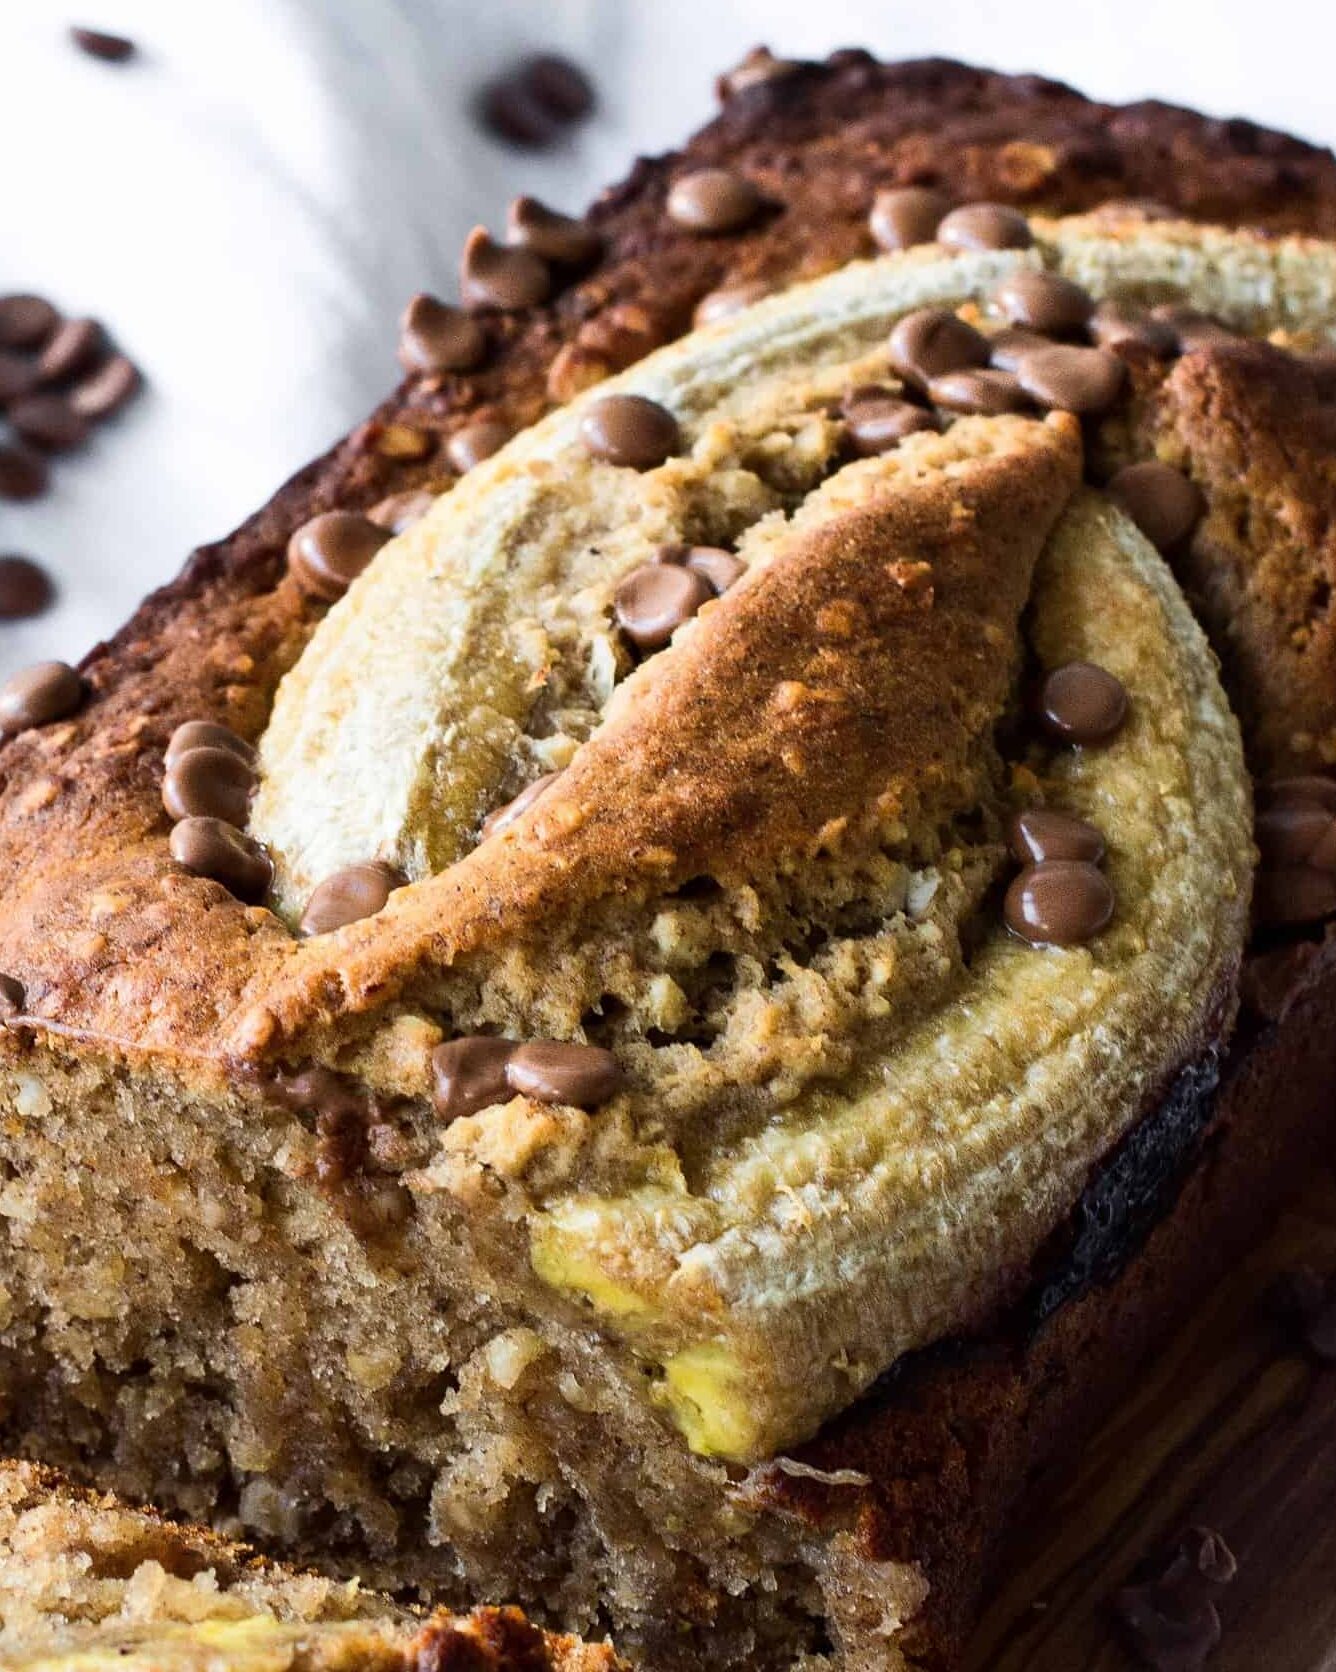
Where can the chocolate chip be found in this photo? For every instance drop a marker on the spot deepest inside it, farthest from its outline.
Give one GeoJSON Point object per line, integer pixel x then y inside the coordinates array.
{"type": "Point", "coordinates": [470, 1074]}
{"type": "Point", "coordinates": [551, 1071]}
{"type": "Point", "coordinates": [1039, 834]}
{"type": "Point", "coordinates": [1161, 501]}
{"type": "Point", "coordinates": [355, 892]}
{"type": "Point", "coordinates": [107, 389]}
{"type": "Point", "coordinates": [212, 848]}
{"type": "Point", "coordinates": [724, 303]}
{"type": "Point", "coordinates": [74, 346]}
{"type": "Point", "coordinates": [1082, 703]}
{"type": "Point", "coordinates": [757, 69]}
{"type": "Point", "coordinates": [534, 102]}
{"type": "Point", "coordinates": [1081, 380]}
{"type": "Point", "coordinates": [1008, 347]}
{"type": "Point", "coordinates": [327, 554]}
{"type": "Point", "coordinates": [504, 276]}
{"type": "Point", "coordinates": [501, 817]}
{"type": "Point", "coordinates": [23, 475]}
{"type": "Point", "coordinates": [25, 588]}
{"type": "Point", "coordinates": [1308, 787]}
{"type": "Point", "coordinates": [18, 377]}
{"type": "Point", "coordinates": [711, 200]}
{"type": "Point", "coordinates": [26, 321]}
{"type": "Point", "coordinates": [559, 85]}
{"type": "Point", "coordinates": [1119, 322]}
{"type": "Point", "coordinates": [906, 216]}
{"type": "Point", "coordinates": [986, 391]}
{"type": "Point", "coordinates": [434, 337]}
{"type": "Point", "coordinates": [208, 734]}
{"type": "Point", "coordinates": [985, 226]}
{"type": "Point", "coordinates": [37, 695]}
{"type": "Point", "coordinates": [655, 599]}
{"type": "Point", "coordinates": [1170, 1622]}
{"type": "Point", "coordinates": [1043, 302]}
{"type": "Point", "coordinates": [1191, 328]}
{"type": "Point", "coordinates": [475, 442]}
{"type": "Point", "coordinates": [97, 43]}
{"type": "Point", "coordinates": [401, 510]}
{"type": "Point", "coordinates": [933, 341]}
{"type": "Point", "coordinates": [719, 567]}
{"type": "Point", "coordinates": [1293, 894]}
{"type": "Point", "coordinates": [551, 235]}
{"type": "Point", "coordinates": [208, 782]}
{"type": "Point", "coordinates": [12, 998]}
{"type": "Point", "coordinates": [1061, 902]}
{"type": "Point", "coordinates": [875, 423]}
{"type": "Point", "coordinates": [630, 430]}
{"type": "Point", "coordinates": [48, 422]}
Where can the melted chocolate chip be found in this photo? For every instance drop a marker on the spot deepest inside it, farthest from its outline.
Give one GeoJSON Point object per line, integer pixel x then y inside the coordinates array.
{"type": "Point", "coordinates": [932, 342]}
{"type": "Point", "coordinates": [355, 892]}
{"type": "Point", "coordinates": [906, 216]}
{"type": "Point", "coordinates": [25, 589]}
{"type": "Point", "coordinates": [551, 235]}
{"type": "Point", "coordinates": [477, 441]}
{"type": "Point", "coordinates": [504, 276]}
{"type": "Point", "coordinates": [1043, 302]}
{"type": "Point", "coordinates": [552, 1071]}
{"type": "Point", "coordinates": [1061, 902]}
{"type": "Point", "coordinates": [434, 337]}
{"type": "Point", "coordinates": [208, 782]}
{"type": "Point", "coordinates": [630, 430]}
{"type": "Point", "coordinates": [1039, 834]}
{"type": "Point", "coordinates": [1082, 703]}
{"type": "Point", "coordinates": [1082, 380]}
{"type": "Point", "coordinates": [26, 321]}
{"type": "Point", "coordinates": [985, 226]}
{"type": "Point", "coordinates": [1161, 501]}
{"type": "Point", "coordinates": [38, 695]}
{"type": "Point", "coordinates": [501, 817]}
{"type": "Point", "coordinates": [212, 848]}
{"type": "Point", "coordinates": [207, 734]}
{"type": "Point", "coordinates": [713, 200]}
{"type": "Point", "coordinates": [876, 422]}
{"type": "Point", "coordinates": [470, 1074]}
{"type": "Point", "coordinates": [327, 554]}
{"type": "Point", "coordinates": [654, 601]}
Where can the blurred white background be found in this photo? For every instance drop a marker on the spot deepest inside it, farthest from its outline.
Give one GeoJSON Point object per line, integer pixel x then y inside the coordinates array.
{"type": "Point", "coordinates": [249, 203]}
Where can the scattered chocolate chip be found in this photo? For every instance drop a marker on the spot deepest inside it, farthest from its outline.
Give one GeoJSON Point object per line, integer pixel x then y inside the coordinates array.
{"type": "Point", "coordinates": [712, 200]}
{"type": "Point", "coordinates": [12, 998]}
{"type": "Point", "coordinates": [1009, 346]}
{"type": "Point", "coordinates": [475, 442]}
{"type": "Point", "coordinates": [1170, 1622]}
{"type": "Point", "coordinates": [759, 67]}
{"type": "Point", "coordinates": [655, 599]}
{"type": "Point", "coordinates": [501, 817]}
{"type": "Point", "coordinates": [74, 346]}
{"type": "Point", "coordinates": [208, 782]}
{"type": "Point", "coordinates": [1294, 894]}
{"type": "Point", "coordinates": [207, 734]}
{"type": "Point", "coordinates": [532, 104]}
{"type": "Point", "coordinates": [37, 695]}
{"type": "Point", "coordinates": [630, 430]}
{"type": "Point", "coordinates": [1191, 328]}
{"type": "Point", "coordinates": [1043, 302]}
{"type": "Point", "coordinates": [25, 588]}
{"type": "Point", "coordinates": [719, 567]}
{"type": "Point", "coordinates": [1164, 504]}
{"type": "Point", "coordinates": [906, 216]}
{"type": "Point", "coordinates": [504, 276]}
{"type": "Point", "coordinates": [985, 226]}
{"type": "Point", "coordinates": [933, 341]}
{"type": "Point", "coordinates": [470, 1074]}
{"type": "Point", "coordinates": [26, 321]}
{"type": "Point", "coordinates": [559, 85]}
{"type": "Point", "coordinates": [550, 234]}
{"type": "Point", "coordinates": [876, 422]}
{"type": "Point", "coordinates": [434, 337]}
{"type": "Point", "coordinates": [401, 510]}
{"type": "Point", "coordinates": [1082, 703]}
{"type": "Point", "coordinates": [355, 892]}
{"type": "Point", "coordinates": [1082, 380]}
{"type": "Point", "coordinates": [1060, 902]}
{"type": "Point", "coordinates": [97, 43]}
{"type": "Point", "coordinates": [18, 377]}
{"type": "Point", "coordinates": [1307, 787]}
{"type": "Point", "coordinates": [724, 303]}
{"type": "Point", "coordinates": [213, 848]}
{"type": "Point", "coordinates": [987, 391]}
{"type": "Point", "coordinates": [1119, 322]}
{"type": "Point", "coordinates": [107, 389]}
{"type": "Point", "coordinates": [551, 1071]}
{"type": "Point", "coordinates": [327, 554]}
{"type": "Point", "coordinates": [23, 475]}
{"type": "Point", "coordinates": [1039, 834]}
{"type": "Point", "coordinates": [48, 422]}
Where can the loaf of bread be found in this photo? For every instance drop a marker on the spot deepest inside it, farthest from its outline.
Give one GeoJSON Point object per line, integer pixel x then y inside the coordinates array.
{"type": "Point", "coordinates": [648, 1032]}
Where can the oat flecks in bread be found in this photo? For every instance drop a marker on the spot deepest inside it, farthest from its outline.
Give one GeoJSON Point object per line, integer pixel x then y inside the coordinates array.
{"type": "Point", "coordinates": [417, 1428]}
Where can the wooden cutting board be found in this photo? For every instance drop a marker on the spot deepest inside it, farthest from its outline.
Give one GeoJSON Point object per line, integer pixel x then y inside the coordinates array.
{"type": "Point", "coordinates": [1234, 1427]}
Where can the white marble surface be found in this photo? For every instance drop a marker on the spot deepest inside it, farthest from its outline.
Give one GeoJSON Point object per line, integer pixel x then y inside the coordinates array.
{"type": "Point", "coordinates": [250, 202]}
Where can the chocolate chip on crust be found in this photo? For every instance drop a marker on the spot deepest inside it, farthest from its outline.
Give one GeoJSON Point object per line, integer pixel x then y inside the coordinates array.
{"type": "Point", "coordinates": [985, 226]}
{"type": "Point", "coordinates": [209, 782]}
{"type": "Point", "coordinates": [355, 892]}
{"type": "Point", "coordinates": [503, 276]}
{"type": "Point", "coordinates": [470, 1074]}
{"type": "Point", "coordinates": [713, 200]}
{"type": "Point", "coordinates": [1059, 902]}
{"type": "Point", "coordinates": [327, 554]}
{"type": "Point", "coordinates": [630, 430]}
{"type": "Point", "coordinates": [37, 695]}
{"type": "Point", "coordinates": [907, 215]}
{"type": "Point", "coordinates": [434, 337]}
{"type": "Point", "coordinates": [1082, 703]}
{"type": "Point", "coordinates": [550, 234]}
{"type": "Point", "coordinates": [212, 848]}
{"type": "Point", "coordinates": [1164, 504]}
